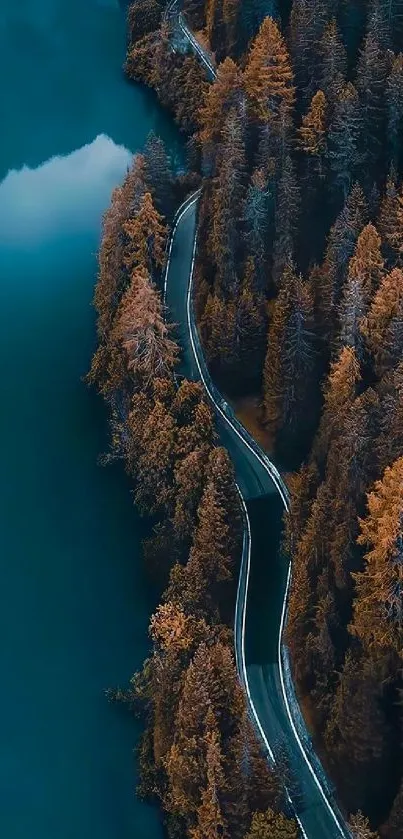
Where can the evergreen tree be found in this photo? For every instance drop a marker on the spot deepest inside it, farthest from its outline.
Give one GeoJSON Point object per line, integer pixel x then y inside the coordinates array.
{"type": "Point", "coordinates": [333, 62]}
{"type": "Point", "coordinates": [370, 83]}
{"type": "Point", "coordinates": [344, 140]}
{"type": "Point", "coordinates": [158, 175]}
{"type": "Point", "coordinates": [394, 104]}
{"type": "Point", "coordinates": [286, 219]}
{"type": "Point", "coordinates": [290, 363]}
{"type": "Point", "coordinates": [340, 247]}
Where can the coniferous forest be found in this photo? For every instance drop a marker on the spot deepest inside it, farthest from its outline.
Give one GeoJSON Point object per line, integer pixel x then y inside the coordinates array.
{"type": "Point", "coordinates": [298, 147]}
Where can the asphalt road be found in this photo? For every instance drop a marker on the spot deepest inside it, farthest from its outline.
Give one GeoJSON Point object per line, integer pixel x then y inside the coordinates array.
{"type": "Point", "coordinates": [263, 593]}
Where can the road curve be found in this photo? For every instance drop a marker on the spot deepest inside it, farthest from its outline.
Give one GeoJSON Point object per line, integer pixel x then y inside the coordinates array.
{"type": "Point", "coordinates": [264, 575]}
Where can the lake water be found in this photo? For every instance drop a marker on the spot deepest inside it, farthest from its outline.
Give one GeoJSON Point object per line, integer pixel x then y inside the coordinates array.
{"type": "Point", "coordinates": [74, 605]}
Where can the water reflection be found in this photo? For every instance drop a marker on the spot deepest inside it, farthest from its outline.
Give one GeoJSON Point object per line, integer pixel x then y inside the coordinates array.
{"type": "Point", "coordinates": [64, 196]}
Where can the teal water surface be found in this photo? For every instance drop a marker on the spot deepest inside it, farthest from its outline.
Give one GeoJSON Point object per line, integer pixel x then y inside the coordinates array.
{"type": "Point", "coordinates": [74, 606]}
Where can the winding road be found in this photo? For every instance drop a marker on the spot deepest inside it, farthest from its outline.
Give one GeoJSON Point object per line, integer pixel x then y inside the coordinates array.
{"type": "Point", "coordinates": [265, 574]}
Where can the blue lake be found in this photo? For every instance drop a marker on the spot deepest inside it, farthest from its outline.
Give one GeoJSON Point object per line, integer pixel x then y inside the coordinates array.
{"type": "Point", "coordinates": [74, 603]}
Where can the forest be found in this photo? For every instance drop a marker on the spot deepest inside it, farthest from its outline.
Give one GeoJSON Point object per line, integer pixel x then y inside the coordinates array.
{"type": "Point", "coordinates": [298, 147]}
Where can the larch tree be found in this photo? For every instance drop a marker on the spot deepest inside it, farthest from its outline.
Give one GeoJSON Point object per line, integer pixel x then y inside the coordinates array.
{"type": "Point", "coordinates": [145, 238]}
{"type": "Point", "coordinates": [378, 608]}
{"type": "Point", "coordinates": [361, 828]}
{"type": "Point", "coordinates": [141, 330]}
{"type": "Point", "coordinates": [340, 392]}
{"type": "Point", "coordinates": [389, 443]}
{"type": "Point", "coordinates": [210, 821]}
{"type": "Point", "coordinates": [113, 276]}
{"type": "Point", "coordinates": [222, 95]}
{"type": "Point", "coordinates": [383, 326]}
{"type": "Point", "coordinates": [268, 77]}
{"type": "Point", "coordinates": [312, 136]}
{"type": "Point", "coordinates": [271, 825]}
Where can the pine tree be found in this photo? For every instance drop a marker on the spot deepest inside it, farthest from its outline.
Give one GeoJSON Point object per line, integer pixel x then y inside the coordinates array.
{"type": "Point", "coordinates": [286, 219]}
{"type": "Point", "coordinates": [378, 608]}
{"type": "Point", "coordinates": [390, 221]}
{"type": "Point", "coordinates": [340, 247]}
{"type": "Point", "coordinates": [158, 175]}
{"type": "Point", "coordinates": [307, 23]}
{"type": "Point", "coordinates": [394, 824]}
{"type": "Point", "coordinates": [268, 76]}
{"type": "Point", "coordinates": [252, 331]}
{"type": "Point", "coordinates": [344, 139]}
{"type": "Point", "coordinates": [259, 222]}
{"type": "Point", "coordinates": [228, 205]}
{"type": "Point", "coordinates": [333, 62]}
{"type": "Point", "coordinates": [358, 735]}
{"type": "Point", "coordinates": [290, 362]}
{"type": "Point", "coordinates": [394, 103]}
{"type": "Point", "coordinates": [370, 83]}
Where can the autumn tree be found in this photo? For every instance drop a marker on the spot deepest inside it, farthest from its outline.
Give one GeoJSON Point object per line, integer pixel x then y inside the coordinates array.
{"type": "Point", "coordinates": [141, 330]}
{"type": "Point", "coordinates": [271, 825]}
{"type": "Point", "coordinates": [390, 440]}
{"type": "Point", "coordinates": [312, 135]}
{"type": "Point", "coordinates": [383, 326]}
{"type": "Point", "coordinates": [268, 76]}
{"type": "Point", "coordinates": [340, 392]}
{"type": "Point", "coordinates": [360, 827]}
{"type": "Point", "coordinates": [378, 609]}
{"type": "Point", "coordinates": [220, 97]}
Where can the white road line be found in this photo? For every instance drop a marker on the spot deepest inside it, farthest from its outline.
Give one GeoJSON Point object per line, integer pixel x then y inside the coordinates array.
{"type": "Point", "coordinates": [277, 480]}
